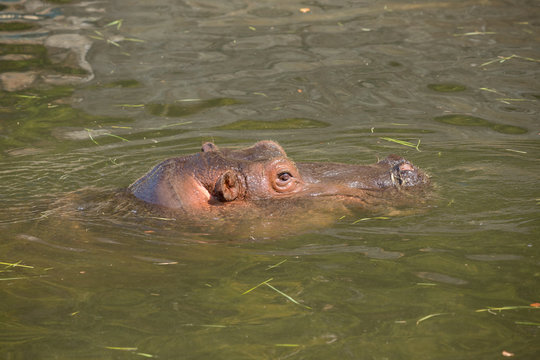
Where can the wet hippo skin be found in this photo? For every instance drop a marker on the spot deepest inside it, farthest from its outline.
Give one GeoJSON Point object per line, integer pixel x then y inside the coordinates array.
{"type": "Point", "coordinates": [216, 178]}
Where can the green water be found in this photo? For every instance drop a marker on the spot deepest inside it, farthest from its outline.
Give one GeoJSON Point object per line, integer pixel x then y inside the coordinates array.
{"type": "Point", "coordinates": [328, 85]}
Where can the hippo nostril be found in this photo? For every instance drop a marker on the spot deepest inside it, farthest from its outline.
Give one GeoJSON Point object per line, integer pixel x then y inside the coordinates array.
{"type": "Point", "coordinates": [208, 146]}
{"type": "Point", "coordinates": [406, 167]}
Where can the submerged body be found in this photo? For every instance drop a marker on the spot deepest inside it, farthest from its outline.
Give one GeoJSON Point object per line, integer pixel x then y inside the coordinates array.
{"type": "Point", "coordinates": [217, 180]}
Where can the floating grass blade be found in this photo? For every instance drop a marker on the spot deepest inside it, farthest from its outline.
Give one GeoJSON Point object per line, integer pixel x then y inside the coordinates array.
{"type": "Point", "coordinates": [276, 265]}
{"type": "Point", "coordinates": [134, 40]}
{"type": "Point", "coordinates": [105, 134]}
{"type": "Point", "coordinates": [118, 23]}
{"type": "Point", "coordinates": [18, 263]}
{"type": "Point", "coordinates": [131, 105]}
{"type": "Point", "coordinates": [402, 142]}
{"type": "Point", "coordinates": [27, 96]}
{"type": "Point", "coordinates": [507, 308]}
{"type": "Point", "coordinates": [116, 136]}
{"type": "Point", "coordinates": [91, 137]}
{"type": "Point", "coordinates": [287, 345]}
{"type": "Point", "coordinates": [130, 349]}
{"type": "Point", "coordinates": [214, 326]}
{"type": "Point", "coordinates": [502, 59]}
{"type": "Point", "coordinates": [287, 296]}
{"type": "Point", "coordinates": [14, 278]}
{"type": "Point", "coordinates": [429, 317]}
{"type": "Point", "coordinates": [371, 218]}
{"type": "Point", "coordinates": [266, 282]}
{"type": "Point", "coordinates": [23, 277]}
{"type": "Point", "coordinates": [144, 354]}
{"type": "Point", "coordinates": [527, 323]}
{"type": "Point", "coordinates": [516, 151]}
{"type": "Point", "coordinates": [109, 41]}
{"type": "Point", "coordinates": [175, 124]}
{"type": "Point", "coordinates": [253, 288]}
{"type": "Point", "coordinates": [490, 90]}
{"type": "Point", "coordinates": [162, 218]}
{"type": "Point", "coordinates": [473, 33]}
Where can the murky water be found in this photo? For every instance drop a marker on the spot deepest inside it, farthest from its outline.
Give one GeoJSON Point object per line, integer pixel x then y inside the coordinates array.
{"type": "Point", "coordinates": [92, 101]}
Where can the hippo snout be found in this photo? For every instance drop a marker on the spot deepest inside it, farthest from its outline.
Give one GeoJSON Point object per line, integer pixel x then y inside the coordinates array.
{"type": "Point", "coordinates": [403, 173]}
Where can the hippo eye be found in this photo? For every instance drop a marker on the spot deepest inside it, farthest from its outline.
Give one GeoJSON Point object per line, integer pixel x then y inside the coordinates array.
{"type": "Point", "coordinates": [284, 176]}
{"type": "Point", "coordinates": [284, 182]}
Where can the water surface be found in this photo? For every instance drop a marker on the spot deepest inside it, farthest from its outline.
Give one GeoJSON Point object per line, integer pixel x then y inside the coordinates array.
{"type": "Point", "coordinates": [99, 105]}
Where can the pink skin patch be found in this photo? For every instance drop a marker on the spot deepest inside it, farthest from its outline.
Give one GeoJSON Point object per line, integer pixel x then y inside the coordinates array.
{"type": "Point", "coordinates": [406, 167]}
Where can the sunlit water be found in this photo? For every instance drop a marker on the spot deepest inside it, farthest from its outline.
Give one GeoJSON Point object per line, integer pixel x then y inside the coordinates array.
{"type": "Point", "coordinates": [328, 84]}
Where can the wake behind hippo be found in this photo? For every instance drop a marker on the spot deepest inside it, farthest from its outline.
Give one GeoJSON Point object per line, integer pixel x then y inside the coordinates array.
{"type": "Point", "coordinates": [218, 180]}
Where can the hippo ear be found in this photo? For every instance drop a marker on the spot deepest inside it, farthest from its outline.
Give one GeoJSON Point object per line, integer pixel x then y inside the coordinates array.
{"type": "Point", "coordinates": [208, 146]}
{"type": "Point", "coordinates": [229, 186]}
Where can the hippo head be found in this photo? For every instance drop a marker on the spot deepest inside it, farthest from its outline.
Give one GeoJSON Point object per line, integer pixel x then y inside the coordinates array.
{"type": "Point", "coordinates": [216, 177]}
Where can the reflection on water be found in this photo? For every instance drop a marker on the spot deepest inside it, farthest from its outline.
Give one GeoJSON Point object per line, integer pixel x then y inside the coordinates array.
{"type": "Point", "coordinates": [94, 94]}
{"type": "Point", "coordinates": [467, 120]}
{"type": "Point", "coordinates": [173, 110]}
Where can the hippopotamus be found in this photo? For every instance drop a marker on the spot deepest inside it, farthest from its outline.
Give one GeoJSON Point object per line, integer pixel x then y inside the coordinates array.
{"type": "Point", "coordinates": [217, 179]}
